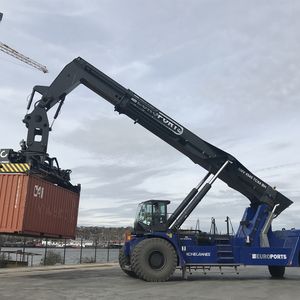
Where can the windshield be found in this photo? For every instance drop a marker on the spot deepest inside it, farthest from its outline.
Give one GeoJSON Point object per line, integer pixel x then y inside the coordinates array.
{"type": "Point", "coordinates": [144, 213]}
{"type": "Point", "coordinates": [151, 213]}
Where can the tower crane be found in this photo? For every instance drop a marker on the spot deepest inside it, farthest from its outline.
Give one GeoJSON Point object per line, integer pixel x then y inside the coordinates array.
{"type": "Point", "coordinates": [14, 53]}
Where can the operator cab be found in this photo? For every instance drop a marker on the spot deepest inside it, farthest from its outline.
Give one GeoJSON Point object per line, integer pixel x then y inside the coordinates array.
{"type": "Point", "coordinates": [151, 216]}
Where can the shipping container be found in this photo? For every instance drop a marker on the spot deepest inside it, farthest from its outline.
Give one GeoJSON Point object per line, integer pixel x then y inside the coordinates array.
{"type": "Point", "coordinates": [32, 206]}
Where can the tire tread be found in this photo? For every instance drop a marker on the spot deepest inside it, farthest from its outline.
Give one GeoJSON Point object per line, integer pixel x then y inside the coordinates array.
{"type": "Point", "coordinates": [141, 271]}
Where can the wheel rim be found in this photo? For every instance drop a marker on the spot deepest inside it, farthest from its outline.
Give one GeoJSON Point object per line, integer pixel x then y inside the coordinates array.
{"type": "Point", "coordinates": [156, 260]}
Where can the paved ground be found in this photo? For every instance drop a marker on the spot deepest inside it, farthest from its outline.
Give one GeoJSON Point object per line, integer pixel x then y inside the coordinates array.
{"type": "Point", "coordinates": [109, 282]}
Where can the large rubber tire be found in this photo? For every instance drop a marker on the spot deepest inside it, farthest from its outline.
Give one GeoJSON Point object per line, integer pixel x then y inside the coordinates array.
{"type": "Point", "coordinates": [277, 271]}
{"type": "Point", "coordinates": [125, 261]}
{"type": "Point", "coordinates": [154, 259]}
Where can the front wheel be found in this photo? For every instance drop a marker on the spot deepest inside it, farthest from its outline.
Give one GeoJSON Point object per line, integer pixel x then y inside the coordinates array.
{"type": "Point", "coordinates": [277, 271]}
{"type": "Point", "coordinates": [154, 259]}
{"type": "Point", "coordinates": [124, 261]}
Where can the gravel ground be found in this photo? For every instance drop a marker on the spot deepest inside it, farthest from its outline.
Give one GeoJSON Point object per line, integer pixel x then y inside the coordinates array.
{"type": "Point", "coordinates": [109, 282]}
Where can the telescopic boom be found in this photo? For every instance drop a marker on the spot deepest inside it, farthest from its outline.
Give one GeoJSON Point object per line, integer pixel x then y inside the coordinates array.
{"type": "Point", "coordinates": [211, 158]}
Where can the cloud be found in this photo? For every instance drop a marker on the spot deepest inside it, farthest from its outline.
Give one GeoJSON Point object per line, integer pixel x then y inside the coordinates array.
{"type": "Point", "coordinates": [229, 72]}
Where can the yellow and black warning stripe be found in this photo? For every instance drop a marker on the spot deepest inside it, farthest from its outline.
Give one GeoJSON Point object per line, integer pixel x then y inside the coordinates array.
{"type": "Point", "coordinates": [14, 168]}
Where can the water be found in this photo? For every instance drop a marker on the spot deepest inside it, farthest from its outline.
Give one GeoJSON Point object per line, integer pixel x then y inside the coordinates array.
{"type": "Point", "coordinates": [72, 255]}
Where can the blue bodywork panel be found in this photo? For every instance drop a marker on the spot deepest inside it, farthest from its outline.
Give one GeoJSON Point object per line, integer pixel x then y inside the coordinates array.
{"type": "Point", "coordinates": [196, 248]}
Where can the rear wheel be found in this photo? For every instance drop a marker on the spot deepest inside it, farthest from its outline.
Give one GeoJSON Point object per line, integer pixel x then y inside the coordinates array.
{"type": "Point", "coordinates": [124, 262]}
{"type": "Point", "coordinates": [154, 259]}
{"type": "Point", "coordinates": [277, 271]}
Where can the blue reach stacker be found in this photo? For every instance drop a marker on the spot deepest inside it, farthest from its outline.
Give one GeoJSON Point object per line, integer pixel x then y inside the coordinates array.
{"type": "Point", "coordinates": [157, 245]}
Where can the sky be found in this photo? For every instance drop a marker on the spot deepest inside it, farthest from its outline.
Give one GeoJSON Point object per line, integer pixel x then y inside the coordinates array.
{"type": "Point", "coordinates": [227, 70]}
